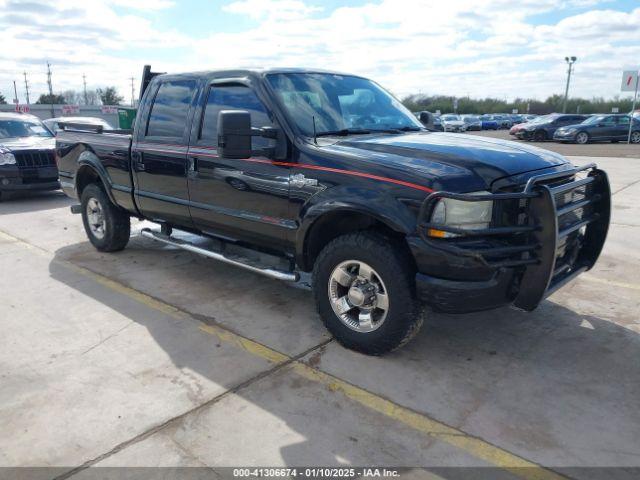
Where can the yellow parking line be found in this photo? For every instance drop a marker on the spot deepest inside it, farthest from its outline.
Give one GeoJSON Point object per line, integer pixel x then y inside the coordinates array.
{"type": "Point", "coordinates": [417, 421]}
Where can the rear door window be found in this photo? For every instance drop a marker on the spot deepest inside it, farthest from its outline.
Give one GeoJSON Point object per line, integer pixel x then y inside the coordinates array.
{"type": "Point", "coordinates": [170, 110]}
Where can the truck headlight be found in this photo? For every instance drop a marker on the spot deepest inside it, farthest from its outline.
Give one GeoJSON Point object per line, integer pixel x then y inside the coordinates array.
{"type": "Point", "coordinates": [7, 159]}
{"type": "Point", "coordinates": [461, 214]}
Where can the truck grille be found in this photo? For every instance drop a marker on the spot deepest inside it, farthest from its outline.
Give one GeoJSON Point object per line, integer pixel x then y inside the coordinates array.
{"type": "Point", "coordinates": [35, 158]}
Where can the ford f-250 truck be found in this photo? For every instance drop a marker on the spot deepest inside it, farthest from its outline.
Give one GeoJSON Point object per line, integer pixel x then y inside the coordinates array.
{"type": "Point", "coordinates": [332, 176]}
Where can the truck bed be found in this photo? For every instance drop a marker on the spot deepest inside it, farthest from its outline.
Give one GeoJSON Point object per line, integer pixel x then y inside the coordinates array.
{"type": "Point", "coordinates": [109, 152]}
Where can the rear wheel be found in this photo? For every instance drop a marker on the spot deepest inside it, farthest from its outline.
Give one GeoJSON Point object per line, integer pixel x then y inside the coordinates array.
{"type": "Point", "coordinates": [108, 227]}
{"type": "Point", "coordinates": [365, 293]}
{"type": "Point", "coordinates": [582, 138]}
{"type": "Point", "coordinates": [540, 136]}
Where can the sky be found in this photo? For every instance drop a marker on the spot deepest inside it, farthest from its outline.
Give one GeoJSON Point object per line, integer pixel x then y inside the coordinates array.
{"type": "Point", "coordinates": [478, 48]}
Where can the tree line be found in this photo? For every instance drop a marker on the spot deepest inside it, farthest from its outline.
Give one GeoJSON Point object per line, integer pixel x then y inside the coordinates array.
{"type": "Point", "coordinates": [554, 103]}
{"type": "Point", "coordinates": [100, 96]}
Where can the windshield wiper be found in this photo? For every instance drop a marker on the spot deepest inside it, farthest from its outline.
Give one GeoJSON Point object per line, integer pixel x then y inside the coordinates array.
{"type": "Point", "coordinates": [397, 130]}
{"type": "Point", "coordinates": [343, 132]}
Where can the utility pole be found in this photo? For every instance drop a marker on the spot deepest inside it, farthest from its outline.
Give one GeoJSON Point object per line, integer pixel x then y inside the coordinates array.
{"type": "Point", "coordinates": [570, 61]}
{"type": "Point", "coordinates": [633, 108]}
{"type": "Point", "coordinates": [84, 82]}
{"type": "Point", "coordinates": [133, 101]}
{"type": "Point", "coordinates": [50, 88]}
{"type": "Point", "coordinates": [26, 86]}
{"type": "Point", "coordinates": [15, 94]}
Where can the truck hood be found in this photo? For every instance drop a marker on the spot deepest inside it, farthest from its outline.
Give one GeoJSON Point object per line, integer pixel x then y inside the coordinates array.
{"type": "Point", "coordinates": [444, 159]}
{"type": "Point", "coordinates": [15, 144]}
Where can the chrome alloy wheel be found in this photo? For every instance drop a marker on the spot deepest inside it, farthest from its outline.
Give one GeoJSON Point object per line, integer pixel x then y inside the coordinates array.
{"type": "Point", "coordinates": [95, 218]}
{"type": "Point", "coordinates": [582, 138]}
{"type": "Point", "coordinates": [635, 137]}
{"type": "Point", "coordinates": [358, 296]}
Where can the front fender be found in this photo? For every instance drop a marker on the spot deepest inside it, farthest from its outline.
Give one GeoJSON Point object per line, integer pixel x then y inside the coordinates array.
{"type": "Point", "coordinates": [379, 205]}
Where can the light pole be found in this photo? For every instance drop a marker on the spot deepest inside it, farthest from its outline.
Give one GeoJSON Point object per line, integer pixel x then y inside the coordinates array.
{"type": "Point", "coordinates": [570, 61]}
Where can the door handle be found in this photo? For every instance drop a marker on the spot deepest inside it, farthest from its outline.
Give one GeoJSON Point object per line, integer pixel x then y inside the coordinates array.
{"type": "Point", "coordinates": [136, 157]}
{"type": "Point", "coordinates": [193, 164]}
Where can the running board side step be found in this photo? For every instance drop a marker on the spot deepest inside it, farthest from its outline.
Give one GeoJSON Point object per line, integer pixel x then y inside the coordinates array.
{"type": "Point", "coordinates": [268, 272]}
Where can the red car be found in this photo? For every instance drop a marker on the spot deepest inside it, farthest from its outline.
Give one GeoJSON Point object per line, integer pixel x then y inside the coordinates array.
{"type": "Point", "coordinates": [518, 126]}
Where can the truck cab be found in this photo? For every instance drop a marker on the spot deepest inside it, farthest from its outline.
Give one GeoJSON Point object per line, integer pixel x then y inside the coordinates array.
{"type": "Point", "coordinates": [332, 177]}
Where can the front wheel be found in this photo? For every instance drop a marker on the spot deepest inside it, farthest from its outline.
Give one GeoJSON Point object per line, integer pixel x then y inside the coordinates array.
{"type": "Point", "coordinates": [108, 227]}
{"type": "Point", "coordinates": [582, 138]}
{"type": "Point", "coordinates": [540, 136]}
{"type": "Point", "coordinates": [365, 293]}
{"type": "Point", "coordinates": [635, 137]}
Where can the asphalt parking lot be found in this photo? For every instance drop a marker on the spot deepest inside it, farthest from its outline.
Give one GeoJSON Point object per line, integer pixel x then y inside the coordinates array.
{"type": "Point", "coordinates": [157, 357]}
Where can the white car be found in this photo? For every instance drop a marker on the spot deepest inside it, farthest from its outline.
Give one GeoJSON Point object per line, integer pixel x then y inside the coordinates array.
{"type": "Point", "coordinates": [453, 123]}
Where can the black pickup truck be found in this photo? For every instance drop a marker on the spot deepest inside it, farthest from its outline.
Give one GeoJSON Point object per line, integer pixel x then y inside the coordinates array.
{"type": "Point", "coordinates": [333, 178]}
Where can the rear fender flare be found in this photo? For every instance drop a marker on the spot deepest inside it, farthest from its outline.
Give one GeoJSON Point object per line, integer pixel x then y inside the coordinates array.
{"type": "Point", "coordinates": [89, 160]}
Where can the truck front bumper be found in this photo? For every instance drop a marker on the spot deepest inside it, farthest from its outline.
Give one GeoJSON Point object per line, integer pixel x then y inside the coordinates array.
{"type": "Point", "coordinates": [561, 227]}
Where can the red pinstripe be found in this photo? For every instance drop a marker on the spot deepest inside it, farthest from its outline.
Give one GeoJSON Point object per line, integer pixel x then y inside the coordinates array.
{"type": "Point", "coordinates": [303, 166]}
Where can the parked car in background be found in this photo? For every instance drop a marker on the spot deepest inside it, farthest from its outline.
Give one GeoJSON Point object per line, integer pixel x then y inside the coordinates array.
{"type": "Point", "coordinates": [425, 117]}
{"type": "Point", "coordinates": [503, 120]}
{"type": "Point", "coordinates": [53, 124]}
{"type": "Point", "coordinates": [453, 123]}
{"type": "Point", "coordinates": [516, 118]}
{"type": "Point", "coordinates": [517, 127]}
{"type": "Point", "coordinates": [472, 122]}
{"type": "Point", "coordinates": [543, 128]}
{"type": "Point", "coordinates": [27, 160]}
{"type": "Point", "coordinates": [488, 123]}
{"type": "Point", "coordinates": [600, 128]}
{"type": "Point", "coordinates": [529, 117]}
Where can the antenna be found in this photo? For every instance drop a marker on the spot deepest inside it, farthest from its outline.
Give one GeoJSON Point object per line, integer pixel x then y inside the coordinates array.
{"type": "Point", "coordinates": [315, 138]}
{"type": "Point", "coordinates": [26, 86]}
{"type": "Point", "coordinates": [84, 82]}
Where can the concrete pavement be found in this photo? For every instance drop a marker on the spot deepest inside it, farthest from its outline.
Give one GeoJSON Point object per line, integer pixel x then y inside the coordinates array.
{"type": "Point", "coordinates": [154, 356]}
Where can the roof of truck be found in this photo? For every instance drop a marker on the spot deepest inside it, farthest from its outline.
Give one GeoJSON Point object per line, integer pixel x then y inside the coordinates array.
{"type": "Point", "coordinates": [258, 71]}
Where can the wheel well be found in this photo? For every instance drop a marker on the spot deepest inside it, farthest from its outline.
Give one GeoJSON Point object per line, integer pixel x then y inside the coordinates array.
{"type": "Point", "coordinates": [335, 224]}
{"type": "Point", "coordinates": [85, 176]}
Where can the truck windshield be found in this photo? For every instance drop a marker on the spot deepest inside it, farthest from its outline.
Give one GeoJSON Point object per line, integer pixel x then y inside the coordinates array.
{"type": "Point", "coordinates": [23, 128]}
{"type": "Point", "coordinates": [339, 104]}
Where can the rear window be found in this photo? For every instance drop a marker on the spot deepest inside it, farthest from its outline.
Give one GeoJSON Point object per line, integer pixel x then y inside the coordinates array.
{"type": "Point", "coordinates": [170, 109]}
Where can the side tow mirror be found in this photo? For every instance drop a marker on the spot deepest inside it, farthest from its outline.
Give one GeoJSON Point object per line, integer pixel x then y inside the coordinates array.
{"type": "Point", "coordinates": [234, 134]}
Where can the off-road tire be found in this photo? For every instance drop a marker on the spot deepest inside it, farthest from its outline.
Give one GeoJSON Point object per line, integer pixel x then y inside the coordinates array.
{"type": "Point", "coordinates": [393, 265]}
{"type": "Point", "coordinates": [117, 223]}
